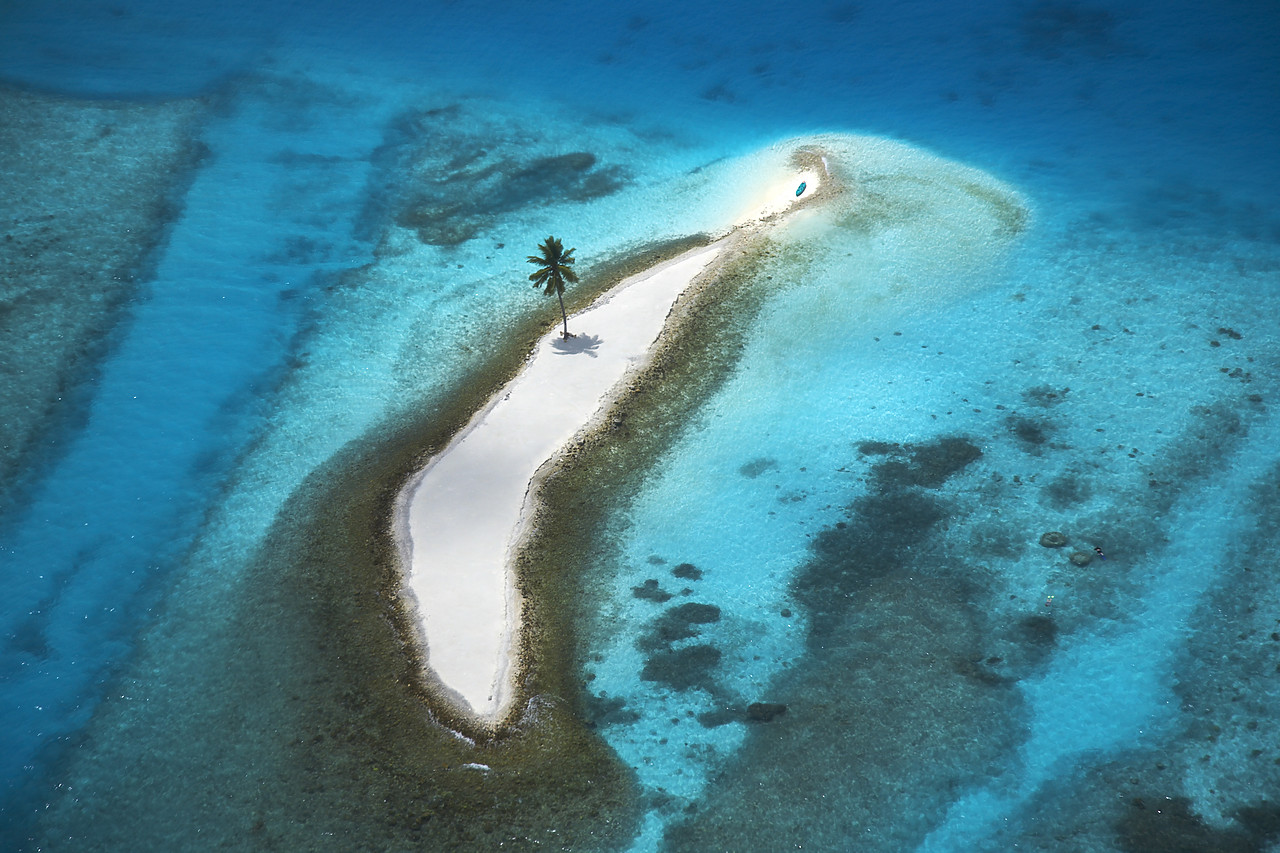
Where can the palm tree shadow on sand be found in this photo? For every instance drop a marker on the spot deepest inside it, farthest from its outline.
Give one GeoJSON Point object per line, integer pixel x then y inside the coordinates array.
{"type": "Point", "coordinates": [577, 344]}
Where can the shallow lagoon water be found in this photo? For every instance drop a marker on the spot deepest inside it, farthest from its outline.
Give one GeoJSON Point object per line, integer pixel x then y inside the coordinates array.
{"type": "Point", "coordinates": [1114, 364]}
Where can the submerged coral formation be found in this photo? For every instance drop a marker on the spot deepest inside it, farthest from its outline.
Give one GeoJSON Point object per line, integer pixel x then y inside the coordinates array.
{"type": "Point", "coordinates": [90, 190]}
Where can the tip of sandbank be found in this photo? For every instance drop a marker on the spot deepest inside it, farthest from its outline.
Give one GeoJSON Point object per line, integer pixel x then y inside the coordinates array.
{"type": "Point", "coordinates": [803, 179]}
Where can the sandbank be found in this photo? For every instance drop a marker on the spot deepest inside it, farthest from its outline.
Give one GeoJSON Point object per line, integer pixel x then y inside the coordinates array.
{"type": "Point", "coordinates": [460, 519]}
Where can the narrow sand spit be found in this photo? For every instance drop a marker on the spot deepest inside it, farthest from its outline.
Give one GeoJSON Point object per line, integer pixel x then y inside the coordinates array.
{"type": "Point", "coordinates": [459, 520]}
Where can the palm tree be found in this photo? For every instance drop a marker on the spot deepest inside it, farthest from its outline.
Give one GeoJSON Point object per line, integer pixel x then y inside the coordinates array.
{"type": "Point", "coordinates": [553, 271]}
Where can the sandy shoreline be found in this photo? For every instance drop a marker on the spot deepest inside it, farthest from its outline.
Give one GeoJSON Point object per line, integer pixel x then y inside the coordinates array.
{"type": "Point", "coordinates": [460, 518]}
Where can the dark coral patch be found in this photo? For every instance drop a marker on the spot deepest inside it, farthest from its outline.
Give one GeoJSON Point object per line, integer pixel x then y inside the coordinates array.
{"type": "Point", "coordinates": [680, 668]}
{"type": "Point", "coordinates": [683, 669]}
{"type": "Point", "coordinates": [979, 672]}
{"type": "Point", "coordinates": [1029, 431]}
{"type": "Point", "coordinates": [1168, 825]}
{"type": "Point", "coordinates": [933, 464]}
{"type": "Point", "coordinates": [1045, 395]}
{"type": "Point", "coordinates": [458, 186]}
{"type": "Point", "coordinates": [883, 528]}
{"type": "Point", "coordinates": [1067, 490]}
{"type": "Point", "coordinates": [763, 712]}
{"type": "Point", "coordinates": [883, 525]}
{"type": "Point", "coordinates": [1038, 630]}
{"type": "Point", "coordinates": [878, 448]}
{"type": "Point", "coordinates": [608, 711]}
{"type": "Point", "coordinates": [677, 623]}
{"type": "Point", "coordinates": [650, 591]}
{"type": "Point", "coordinates": [693, 612]}
{"type": "Point", "coordinates": [687, 571]}
{"type": "Point", "coordinates": [926, 465]}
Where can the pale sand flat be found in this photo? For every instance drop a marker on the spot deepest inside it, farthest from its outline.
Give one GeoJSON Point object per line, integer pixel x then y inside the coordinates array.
{"type": "Point", "coordinates": [460, 518]}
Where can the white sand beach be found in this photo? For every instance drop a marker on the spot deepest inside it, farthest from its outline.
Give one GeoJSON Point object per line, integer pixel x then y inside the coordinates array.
{"type": "Point", "coordinates": [461, 517]}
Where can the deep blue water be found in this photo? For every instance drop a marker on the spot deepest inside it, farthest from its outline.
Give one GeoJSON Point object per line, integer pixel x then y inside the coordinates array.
{"type": "Point", "coordinates": [1141, 136]}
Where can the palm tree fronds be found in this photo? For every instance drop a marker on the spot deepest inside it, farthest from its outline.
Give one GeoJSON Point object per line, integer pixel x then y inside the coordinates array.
{"type": "Point", "coordinates": [553, 271]}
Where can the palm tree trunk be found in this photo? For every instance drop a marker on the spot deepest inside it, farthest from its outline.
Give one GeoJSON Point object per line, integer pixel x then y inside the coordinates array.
{"type": "Point", "coordinates": [563, 316]}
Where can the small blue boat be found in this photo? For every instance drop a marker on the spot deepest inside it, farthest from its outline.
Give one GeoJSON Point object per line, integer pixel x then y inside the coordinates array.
{"type": "Point", "coordinates": [800, 188]}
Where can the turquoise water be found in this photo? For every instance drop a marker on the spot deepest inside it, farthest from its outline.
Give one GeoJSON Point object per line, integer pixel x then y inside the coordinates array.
{"type": "Point", "coordinates": [857, 510]}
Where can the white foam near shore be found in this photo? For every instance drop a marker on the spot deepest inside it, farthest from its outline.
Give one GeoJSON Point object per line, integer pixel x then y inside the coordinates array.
{"type": "Point", "coordinates": [460, 517]}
